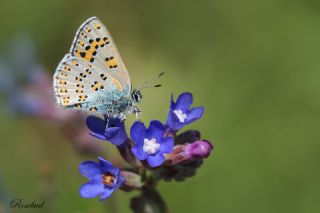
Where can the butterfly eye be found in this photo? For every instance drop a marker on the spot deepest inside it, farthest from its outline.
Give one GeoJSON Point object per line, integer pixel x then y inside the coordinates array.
{"type": "Point", "coordinates": [136, 95]}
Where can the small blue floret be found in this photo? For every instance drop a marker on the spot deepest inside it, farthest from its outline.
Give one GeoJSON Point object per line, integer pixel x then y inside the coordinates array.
{"type": "Point", "coordinates": [103, 177]}
{"type": "Point", "coordinates": [115, 133]}
{"type": "Point", "coordinates": [150, 144]}
{"type": "Point", "coordinates": [180, 115]}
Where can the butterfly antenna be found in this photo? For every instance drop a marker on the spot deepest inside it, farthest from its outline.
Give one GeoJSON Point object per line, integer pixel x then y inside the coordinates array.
{"type": "Point", "coordinates": [148, 82]}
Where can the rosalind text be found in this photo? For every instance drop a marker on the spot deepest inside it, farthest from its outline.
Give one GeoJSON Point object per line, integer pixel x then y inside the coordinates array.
{"type": "Point", "coordinates": [22, 203]}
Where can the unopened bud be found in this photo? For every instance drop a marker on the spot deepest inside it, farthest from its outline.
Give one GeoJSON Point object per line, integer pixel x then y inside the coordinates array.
{"type": "Point", "coordinates": [132, 181]}
{"type": "Point", "coordinates": [189, 151]}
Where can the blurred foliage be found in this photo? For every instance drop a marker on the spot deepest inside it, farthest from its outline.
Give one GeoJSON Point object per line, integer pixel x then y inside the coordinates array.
{"type": "Point", "coordinates": [253, 65]}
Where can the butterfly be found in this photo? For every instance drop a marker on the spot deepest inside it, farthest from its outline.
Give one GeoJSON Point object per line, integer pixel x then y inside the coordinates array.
{"type": "Point", "coordinates": [92, 76]}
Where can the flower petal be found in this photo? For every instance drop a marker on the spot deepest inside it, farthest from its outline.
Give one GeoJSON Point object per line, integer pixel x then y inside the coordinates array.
{"type": "Point", "coordinates": [195, 114]}
{"type": "Point", "coordinates": [116, 132]}
{"type": "Point", "coordinates": [114, 122]}
{"type": "Point", "coordinates": [138, 152]}
{"type": "Point", "coordinates": [173, 121]}
{"type": "Point", "coordinates": [111, 131]}
{"type": "Point", "coordinates": [184, 101]}
{"type": "Point", "coordinates": [138, 132]}
{"type": "Point", "coordinates": [105, 164]}
{"type": "Point", "coordinates": [121, 179]}
{"type": "Point", "coordinates": [96, 125]}
{"type": "Point", "coordinates": [115, 135]}
{"type": "Point", "coordinates": [99, 136]}
{"type": "Point", "coordinates": [91, 189]}
{"type": "Point", "coordinates": [155, 160]}
{"type": "Point", "coordinates": [166, 145]}
{"type": "Point", "coordinates": [107, 167]}
{"type": "Point", "coordinates": [156, 130]}
{"type": "Point", "coordinates": [89, 169]}
{"type": "Point", "coordinates": [172, 103]}
{"type": "Point", "coordinates": [106, 193]}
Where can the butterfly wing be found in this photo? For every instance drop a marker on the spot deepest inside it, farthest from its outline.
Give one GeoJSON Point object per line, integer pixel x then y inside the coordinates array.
{"type": "Point", "coordinates": [81, 85]}
{"type": "Point", "coordinates": [94, 43]}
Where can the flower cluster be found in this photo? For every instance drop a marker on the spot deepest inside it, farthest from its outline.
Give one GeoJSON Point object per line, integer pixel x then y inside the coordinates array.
{"type": "Point", "coordinates": [156, 148]}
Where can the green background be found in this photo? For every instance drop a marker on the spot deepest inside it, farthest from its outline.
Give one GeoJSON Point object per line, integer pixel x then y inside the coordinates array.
{"type": "Point", "coordinates": [253, 65]}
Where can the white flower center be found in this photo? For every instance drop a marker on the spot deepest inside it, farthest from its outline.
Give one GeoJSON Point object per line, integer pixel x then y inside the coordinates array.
{"type": "Point", "coordinates": [181, 116]}
{"type": "Point", "coordinates": [150, 146]}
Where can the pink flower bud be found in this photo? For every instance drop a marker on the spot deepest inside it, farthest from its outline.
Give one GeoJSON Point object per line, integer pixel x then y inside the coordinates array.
{"type": "Point", "coordinates": [189, 151]}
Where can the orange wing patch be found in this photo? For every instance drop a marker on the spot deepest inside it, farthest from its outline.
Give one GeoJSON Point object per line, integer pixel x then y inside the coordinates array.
{"type": "Point", "coordinates": [97, 26]}
{"type": "Point", "coordinates": [90, 51]}
{"type": "Point", "coordinates": [117, 83]}
{"type": "Point", "coordinates": [63, 90]}
{"type": "Point", "coordinates": [111, 62]}
{"type": "Point", "coordinates": [78, 106]}
{"type": "Point", "coordinates": [82, 98]}
{"type": "Point", "coordinates": [67, 68]}
{"type": "Point", "coordinates": [96, 86]}
{"type": "Point", "coordinates": [78, 79]}
{"type": "Point", "coordinates": [93, 109]}
{"type": "Point", "coordinates": [65, 100]}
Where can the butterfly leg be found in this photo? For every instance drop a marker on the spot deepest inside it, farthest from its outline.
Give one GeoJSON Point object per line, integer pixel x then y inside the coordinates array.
{"type": "Point", "coordinates": [140, 115]}
{"type": "Point", "coordinates": [138, 112]}
{"type": "Point", "coordinates": [107, 126]}
{"type": "Point", "coordinates": [107, 117]}
{"type": "Point", "coordinates": [122, 117]}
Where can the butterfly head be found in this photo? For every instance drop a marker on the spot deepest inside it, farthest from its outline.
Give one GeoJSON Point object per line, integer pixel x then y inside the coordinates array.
{"type": "Point", "coordinates": [136, 95]}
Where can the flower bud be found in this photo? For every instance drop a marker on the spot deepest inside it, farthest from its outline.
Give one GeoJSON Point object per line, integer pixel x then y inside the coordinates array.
{"type": "Point", "coordinates": [132, 181]}
{"type": "Point", "coordinates": [189, 151]}
{"type": "Point", "coordinates": [198, 149]}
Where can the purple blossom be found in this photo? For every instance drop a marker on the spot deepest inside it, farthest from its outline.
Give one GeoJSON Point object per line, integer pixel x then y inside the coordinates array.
{"type": "Point", "coordinates": [115, 133]}
{"type": "Point", "coordinates": [150, 144]}
{"type": "Point", "coordinates": [180, 114]}
{"type": "Point", "coordinates": [103, 177]}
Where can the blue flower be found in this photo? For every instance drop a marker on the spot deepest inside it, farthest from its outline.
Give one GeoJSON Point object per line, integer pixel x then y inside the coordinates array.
{"type": "Point", "coordinates": [115, 133]}
{"type": "Point", "coordinates": [150, 144]}
{"type": "Point", "coordinates": [103, 177]}
{"type": "Point", "coordinates": [180, 114]}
